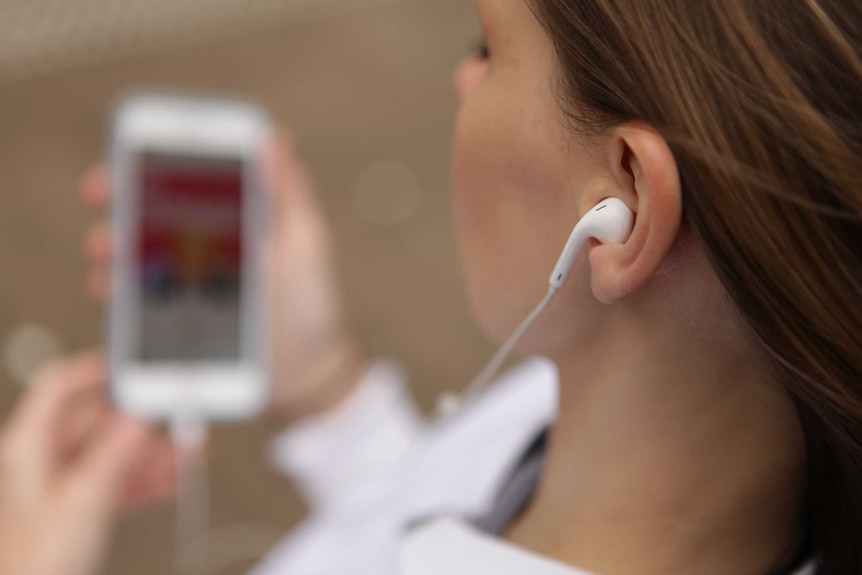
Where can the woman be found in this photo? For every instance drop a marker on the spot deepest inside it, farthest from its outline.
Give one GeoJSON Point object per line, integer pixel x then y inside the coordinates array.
{"type": "Point", "coordinates": [709, 417]}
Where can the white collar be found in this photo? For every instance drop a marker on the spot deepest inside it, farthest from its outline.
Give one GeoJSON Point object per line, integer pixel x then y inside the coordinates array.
{"type": "Point", "coordinates": [452, 547]}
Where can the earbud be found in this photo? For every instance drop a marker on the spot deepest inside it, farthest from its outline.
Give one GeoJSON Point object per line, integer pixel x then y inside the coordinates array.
{"type": "Point", "coordinates": [611, 221]}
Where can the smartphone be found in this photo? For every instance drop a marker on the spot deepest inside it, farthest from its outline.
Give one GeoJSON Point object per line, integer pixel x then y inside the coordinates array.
{"type": "Point", "coordinates": [187, 327]}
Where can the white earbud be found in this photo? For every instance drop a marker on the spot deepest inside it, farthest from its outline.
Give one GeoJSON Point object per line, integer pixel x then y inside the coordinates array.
{"type": "Point", "coordinates": [611, 221]}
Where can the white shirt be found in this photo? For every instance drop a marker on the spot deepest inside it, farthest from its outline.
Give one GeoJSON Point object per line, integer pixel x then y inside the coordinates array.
{"type": "Point", "coordinates": [392, 495]}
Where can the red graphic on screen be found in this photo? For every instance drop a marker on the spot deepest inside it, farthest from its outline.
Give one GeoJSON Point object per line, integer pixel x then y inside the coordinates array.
{"type": "Point", "coordinates": [190, 253]}
{"type": "Point", "coordinates": [190, 227]}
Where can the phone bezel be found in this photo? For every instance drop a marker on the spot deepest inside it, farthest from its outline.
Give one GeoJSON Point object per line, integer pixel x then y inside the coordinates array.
{"type": "Point", "coordinates": [188, 126]}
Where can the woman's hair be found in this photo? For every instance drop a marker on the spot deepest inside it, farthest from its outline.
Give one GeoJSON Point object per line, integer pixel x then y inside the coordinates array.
{"type": "Point", "coordinates": [761, 102]}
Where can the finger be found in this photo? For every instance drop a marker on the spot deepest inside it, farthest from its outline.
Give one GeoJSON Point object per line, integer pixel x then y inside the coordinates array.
{"type": "Point", "coordinates": [28, 442]}
{"type": "Point", "coordinates": [52, 389]}
{"type": "Point", "coordinates": [95, 187]}
{"type": "Point", "coordinates": [81, 422]}
{"type": "Point", "coordinates": [290, 180]}
{"type": "Point", "coordinates": [298, 213]}
{"type": "Point", "coordinates": [98, 245]}
{"type": "Point", "coordinates": [105, 469]}
{"type": "Point", "coordinates": [154, 480]}
{"type": "Point", "coordinates": [99, 284]}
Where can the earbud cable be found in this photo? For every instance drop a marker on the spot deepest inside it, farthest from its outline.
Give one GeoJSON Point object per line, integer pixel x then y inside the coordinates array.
{"type": "Point", "coordinates": [484, 379]}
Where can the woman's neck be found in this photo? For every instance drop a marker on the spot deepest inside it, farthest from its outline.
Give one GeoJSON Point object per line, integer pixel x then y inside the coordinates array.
{"type": "Point", "coordinates": [667, 457]}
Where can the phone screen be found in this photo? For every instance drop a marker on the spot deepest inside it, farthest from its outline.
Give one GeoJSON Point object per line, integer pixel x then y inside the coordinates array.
{"type": "Point", "coordinates": [189, 258]}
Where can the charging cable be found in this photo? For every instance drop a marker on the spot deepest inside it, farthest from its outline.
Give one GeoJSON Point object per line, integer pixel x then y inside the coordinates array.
{"type": "Point", "coordinates": [452, 404]}
{"type": "Point", "coordinates": [189, 436]}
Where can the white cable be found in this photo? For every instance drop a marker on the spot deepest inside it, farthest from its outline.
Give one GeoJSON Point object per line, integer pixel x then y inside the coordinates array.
{"type": "Point", "coordinates": [484, 379]}
{"type": "Point", "coordinates": [189, 436]}
{"type": "Point", "coordinates": [610, 221]}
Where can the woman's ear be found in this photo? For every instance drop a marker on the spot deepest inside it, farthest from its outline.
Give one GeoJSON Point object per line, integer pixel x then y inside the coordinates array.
{"type": "Point", "coordinates": [645, 176]}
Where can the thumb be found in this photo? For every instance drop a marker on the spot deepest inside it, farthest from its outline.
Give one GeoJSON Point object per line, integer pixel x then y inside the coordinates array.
{"type": "Point", "coordinates": [300, 227]}
{"type": "Point", "coordinates": [104, 469]}
{"type": "Point", "coordinates": [287, 176]}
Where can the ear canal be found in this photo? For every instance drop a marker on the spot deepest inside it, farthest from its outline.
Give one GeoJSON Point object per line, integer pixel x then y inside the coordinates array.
{"type": "Point", "coordinates": [610, 221]}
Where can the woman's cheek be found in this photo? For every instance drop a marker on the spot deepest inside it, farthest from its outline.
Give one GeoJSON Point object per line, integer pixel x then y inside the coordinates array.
{"type": "Point", "coordinates": [487, 202]}
{"type": "Point", "coordinates": [473, 170]}
{"type": "Point", "coordinates": [474, 208]}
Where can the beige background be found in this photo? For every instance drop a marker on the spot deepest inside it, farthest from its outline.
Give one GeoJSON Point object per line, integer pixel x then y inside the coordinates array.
{"type": "Point", "coordinates": [358, 85]}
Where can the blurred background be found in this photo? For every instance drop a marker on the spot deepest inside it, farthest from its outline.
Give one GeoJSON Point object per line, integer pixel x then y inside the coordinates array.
{"type": "Point", "coordinates": [364, 85]}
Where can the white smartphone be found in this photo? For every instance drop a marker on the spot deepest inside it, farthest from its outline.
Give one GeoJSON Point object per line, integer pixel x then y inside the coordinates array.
{"type": "Point", "coordinates": [187, 328]}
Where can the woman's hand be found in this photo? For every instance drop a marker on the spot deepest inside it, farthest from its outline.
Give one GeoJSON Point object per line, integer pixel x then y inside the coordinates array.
{"type": "Point", "coordinates": [68, 465]}
{"type": "Point", "coordinates": [316, 361]}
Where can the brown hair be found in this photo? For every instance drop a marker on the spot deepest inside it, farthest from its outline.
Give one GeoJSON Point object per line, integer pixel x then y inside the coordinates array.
{"type": "Point", "coordinates": [761, 102]}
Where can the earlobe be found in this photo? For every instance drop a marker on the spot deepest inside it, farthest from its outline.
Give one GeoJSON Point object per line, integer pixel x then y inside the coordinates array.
{"type": "Point", "coordinates": [646, 177]}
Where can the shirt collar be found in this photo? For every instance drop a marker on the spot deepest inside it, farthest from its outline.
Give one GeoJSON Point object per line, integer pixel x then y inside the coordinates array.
{"type": "Point", "coordinates": [455, 547]}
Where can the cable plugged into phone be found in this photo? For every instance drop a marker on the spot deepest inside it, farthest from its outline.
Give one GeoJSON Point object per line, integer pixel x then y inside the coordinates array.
{"type": "Point", "coordinates": [186, 170]}
{"type": "Point", "coordinates": [189, 436]}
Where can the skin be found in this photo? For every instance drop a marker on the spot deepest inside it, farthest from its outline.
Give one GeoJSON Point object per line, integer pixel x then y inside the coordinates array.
{"type": "Point", "coordinates": [673, 451]}
{"type": "Point", "coordinates": [68, 467]}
